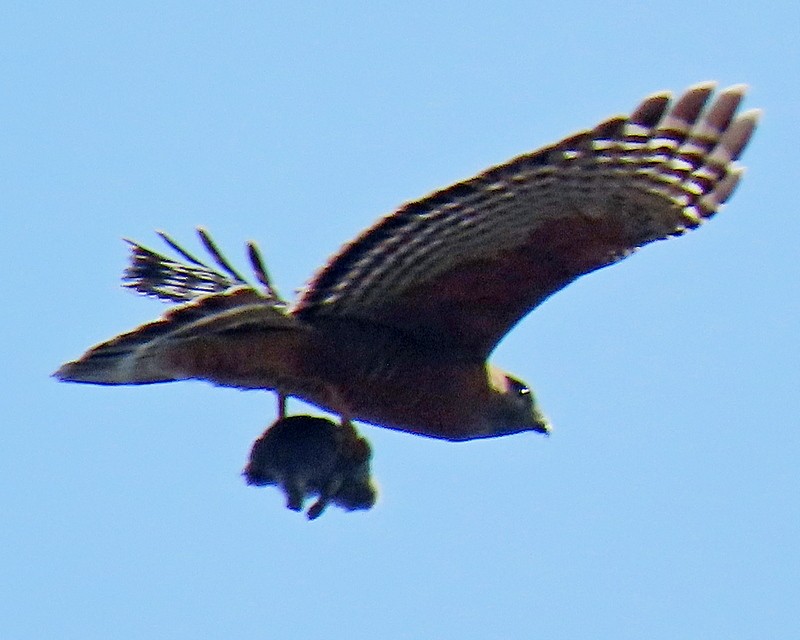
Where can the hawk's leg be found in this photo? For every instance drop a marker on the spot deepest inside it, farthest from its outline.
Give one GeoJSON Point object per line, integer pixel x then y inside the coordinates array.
{"type": "Point", "coordinates": [281, 405]}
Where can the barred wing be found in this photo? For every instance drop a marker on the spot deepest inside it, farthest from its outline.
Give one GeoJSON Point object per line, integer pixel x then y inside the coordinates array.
{"type": "Point", "coordinates": [464, 264]}
{"type": "Point", "coordinates": [154, 274]}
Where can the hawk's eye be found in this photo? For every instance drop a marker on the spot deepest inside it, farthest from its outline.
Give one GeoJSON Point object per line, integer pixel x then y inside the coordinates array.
{"type": "Point", "coordinates": [520, 389]}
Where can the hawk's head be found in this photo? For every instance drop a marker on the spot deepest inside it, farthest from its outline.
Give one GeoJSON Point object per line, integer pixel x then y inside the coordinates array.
{"type": "Point", "coordinates": [512, 407]}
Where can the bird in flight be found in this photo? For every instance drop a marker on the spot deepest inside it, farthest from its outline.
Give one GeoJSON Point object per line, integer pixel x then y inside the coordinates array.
{"type": "Point", "coordinates": [396, 328]}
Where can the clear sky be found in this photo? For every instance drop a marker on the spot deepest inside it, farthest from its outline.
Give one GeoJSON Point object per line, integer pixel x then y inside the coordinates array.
{"type": "Point", "coordinates": [665, 505]}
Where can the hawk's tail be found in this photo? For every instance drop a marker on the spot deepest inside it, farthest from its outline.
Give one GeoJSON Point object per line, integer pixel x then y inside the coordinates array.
{"type": "Point", "coordinates": [121, 360]}
{"type": "Point", "coordinates": [137, 357]}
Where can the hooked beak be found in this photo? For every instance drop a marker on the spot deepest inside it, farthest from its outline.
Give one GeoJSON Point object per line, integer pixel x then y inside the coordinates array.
{"type": "Point", "coordinates": [541, 424]}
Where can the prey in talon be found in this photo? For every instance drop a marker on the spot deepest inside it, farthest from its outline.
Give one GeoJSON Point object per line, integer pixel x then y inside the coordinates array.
{"type": "Point", "coordinates": [308, 456]}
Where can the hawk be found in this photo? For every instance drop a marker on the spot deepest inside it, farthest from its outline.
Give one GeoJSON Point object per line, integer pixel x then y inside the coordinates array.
{"type": "Point", "coordinates": [396, 328]}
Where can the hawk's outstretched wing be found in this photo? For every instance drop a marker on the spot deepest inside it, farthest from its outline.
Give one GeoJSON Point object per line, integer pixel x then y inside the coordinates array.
{"type": "Point", "coordinates": [154, 274]}
{"type": "Point", "coordinates": [464, 264]}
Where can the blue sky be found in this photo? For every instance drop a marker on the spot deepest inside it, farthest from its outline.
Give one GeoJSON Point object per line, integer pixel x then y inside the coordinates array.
{"type": "Point", "coordinates": [667, 502]}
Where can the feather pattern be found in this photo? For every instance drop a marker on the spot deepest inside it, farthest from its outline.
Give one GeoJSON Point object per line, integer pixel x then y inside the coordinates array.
{"type": "Point", "coordinates": [559, 212]}
{"type": "Point", "coordinates": [154, 274]}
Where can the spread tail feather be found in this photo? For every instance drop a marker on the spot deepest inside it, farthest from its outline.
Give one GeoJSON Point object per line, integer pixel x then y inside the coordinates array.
{"type": "Point", "coordinates": [110, 366]}
{"type": "Point", "coordinates": [134, 357]}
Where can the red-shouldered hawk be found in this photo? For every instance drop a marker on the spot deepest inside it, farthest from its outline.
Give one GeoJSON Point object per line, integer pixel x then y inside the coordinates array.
{"type": "Point", "coordinates": [395, 330]}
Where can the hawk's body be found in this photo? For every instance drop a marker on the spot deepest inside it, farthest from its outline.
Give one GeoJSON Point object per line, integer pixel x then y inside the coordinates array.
{"type": "Point", "coordinates": [396, 329]}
